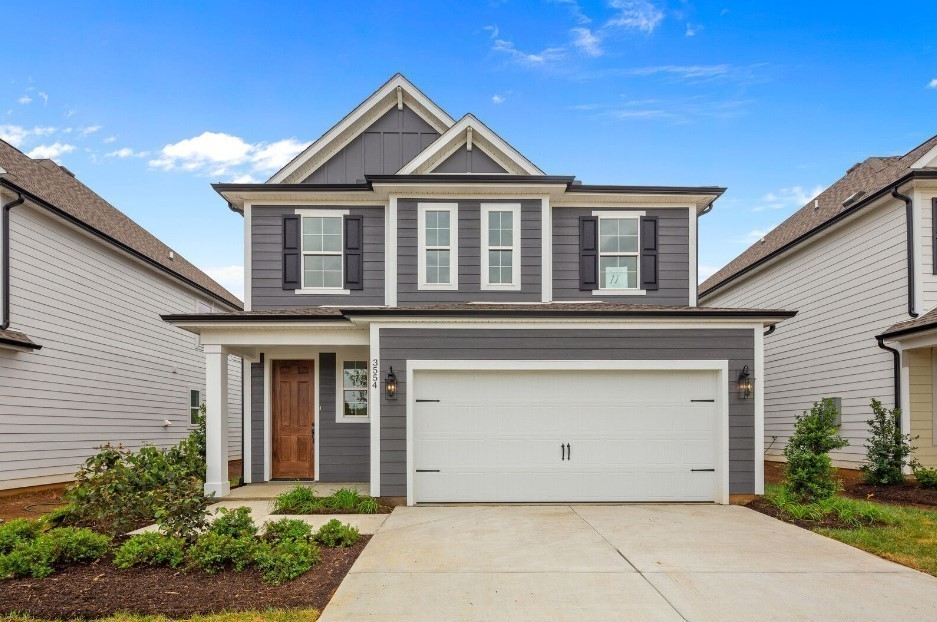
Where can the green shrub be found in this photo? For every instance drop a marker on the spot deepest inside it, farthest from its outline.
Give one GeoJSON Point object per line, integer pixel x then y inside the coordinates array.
{"type": "Point", "coordinates": [287, 560]}
{"type": "Point", "coordinates": [150, 549]}
{"type": "Point", "coordinates": [32, 558]}
{"type": "Point", "coordinates": [16, 532]}
{"type": "Point", "coordinates": [298, 500]}
{"type": "Point", "coordinates": [887, 449]}
{"type": "Point", "coordinates": [849, 511]}
{"type": "Point", "coordinates": [334, 533]}
{"type": "Point", "coordinates": [236, 523]}
{"type": "Point", "coordinates": [926, 478]}
{"type": "Point", "coordinates": [213, 552]}
{"type": "Point", "coordinates": [368, 505]}
{"type": "Point", "coordinates": [809, 471]}
{"type": "Point", "coordinates": [60, 517]}
{"type": "Point", "coordinates": [288, 529]}
{"type": "Point", "coordinates": [74, 545]}
{"type": "Point", "coordinates": [342, 499]}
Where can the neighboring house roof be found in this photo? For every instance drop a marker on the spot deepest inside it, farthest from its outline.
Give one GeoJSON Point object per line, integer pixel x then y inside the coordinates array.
{"type": "Point", "coordinates": [17, 340]}
{"type": "Point", "coordinates": [532, 310]}
{"type": "Point", "coordinates": [862, 184]}
{"type": "Point", "coordinates": [47, 183]}
{"type": "Point", "coordinates": [918, 324]}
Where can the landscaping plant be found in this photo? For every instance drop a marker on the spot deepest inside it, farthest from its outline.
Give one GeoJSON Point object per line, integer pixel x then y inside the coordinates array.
{"type": "Point", "coordinates": [286, 560]}
{"type": "Point", "coordinates": [287, 529]}
{"type": "Point", "coordinates": [926, 478]}
{"type": "Point", "coordinates": [303, 500]}
{"type": "Point", "coordinates": [334, 533]}
{"type": "Point", "coordinates": [213, 552]}
{"type": "Point", "coordinates": [15, 532]}
{"type": "Point", "coordinates": [150, 549]}
{"type": "Point", "coordinates": [809, 471]}
{"type": "Point", "coordinates": [887, 449]}
{"type": "Point", "coordinates": [30, 552]}
{"type": "Point", "coordinates": [236, 523]}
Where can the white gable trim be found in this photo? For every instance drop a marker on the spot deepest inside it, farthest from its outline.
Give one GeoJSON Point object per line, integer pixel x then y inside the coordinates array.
{"type": "Point", "coordinates": [349, 128]}
{"type": "Point", "coordinates": [928, 159]}
{"type": "Point", "coordinates": [493, 145]}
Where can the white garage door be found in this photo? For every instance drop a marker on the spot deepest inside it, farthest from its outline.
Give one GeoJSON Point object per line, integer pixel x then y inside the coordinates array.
{"type": "Point", "coordinates": [506, 436]}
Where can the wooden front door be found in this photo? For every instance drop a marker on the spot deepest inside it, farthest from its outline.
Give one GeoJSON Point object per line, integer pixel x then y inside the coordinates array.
{"type": "Point", "coordinates": [293, 419]}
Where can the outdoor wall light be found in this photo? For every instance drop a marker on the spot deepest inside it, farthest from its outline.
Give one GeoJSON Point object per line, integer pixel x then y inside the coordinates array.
{"type": "Point", "coordinates": [390, 385]}
{"type": "Point", "coordinates": [746, 384]}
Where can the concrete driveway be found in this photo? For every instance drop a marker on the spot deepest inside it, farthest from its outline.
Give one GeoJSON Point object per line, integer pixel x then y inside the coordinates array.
{"type": "Point", "coordinates": [631, 562]}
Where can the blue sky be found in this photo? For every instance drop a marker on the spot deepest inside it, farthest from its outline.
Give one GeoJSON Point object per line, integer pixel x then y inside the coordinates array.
{"type": "Point", "coordinates": [148, 103]}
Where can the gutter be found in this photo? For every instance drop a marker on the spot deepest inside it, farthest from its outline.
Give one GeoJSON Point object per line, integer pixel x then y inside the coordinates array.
{"type": "Point", "coordinates": [909, 226]}
{"type": "Point", "coordinates": [5, 231]}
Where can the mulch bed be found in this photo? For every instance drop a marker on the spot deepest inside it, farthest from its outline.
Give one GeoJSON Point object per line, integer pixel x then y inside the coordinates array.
{"type": "Point", "coordinates": [830, 521]}
{"type": "Point", "coordinates": [381, 509]}
{"type": "Point", "coordinates": [101, 589]}
{"type": "Point", "coordinates": [30, 504]}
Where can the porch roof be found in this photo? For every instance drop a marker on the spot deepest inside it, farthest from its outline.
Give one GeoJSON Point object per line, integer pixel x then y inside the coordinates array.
{"type": "Point", "coordinates": [918, 325]}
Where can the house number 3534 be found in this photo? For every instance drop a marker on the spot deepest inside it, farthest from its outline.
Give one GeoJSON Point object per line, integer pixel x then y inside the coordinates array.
{"type": "Point", "coordinates": [375, 367]}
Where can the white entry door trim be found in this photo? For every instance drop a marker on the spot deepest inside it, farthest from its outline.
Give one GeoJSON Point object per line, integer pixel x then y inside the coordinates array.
{"type": "Point", "coordinates": [721, 367]}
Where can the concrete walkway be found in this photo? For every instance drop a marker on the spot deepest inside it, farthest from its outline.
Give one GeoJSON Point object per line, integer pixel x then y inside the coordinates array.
{"type": "Point", "coordinates": [632, 562]}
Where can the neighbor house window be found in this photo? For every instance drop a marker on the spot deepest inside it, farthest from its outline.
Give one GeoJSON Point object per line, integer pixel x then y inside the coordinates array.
{"type": "Point", "coordinates": [195, 406]}
{"type": "Point", "coordinates": [438, 245]}
{"type": "Point", "coordinates": [322, 252]}
{"type": "Point", "coordinates": [618, 252]}
{"type": "Point", "coordinates": [354, 391]}
{"type": "Point", "coordinates": [501, 246]}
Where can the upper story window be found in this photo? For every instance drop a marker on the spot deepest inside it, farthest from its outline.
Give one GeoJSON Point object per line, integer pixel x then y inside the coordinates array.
{"type": "Point", "coordinates": [322, 248]}
{"type": "Point", "coordinates": [619, 251]}
{"type": "Point", "coordinates": [438, 236]}
{"type": "Point", "coordinates": [500, 246]}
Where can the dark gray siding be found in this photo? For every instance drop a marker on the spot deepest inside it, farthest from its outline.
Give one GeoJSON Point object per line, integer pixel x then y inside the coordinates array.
{"type": "Point", "coordinates": [344, 448]}
{"type": "Point", "coordinates": [388, 144]}
{"type": "Point", "coordinates": [465, 161]}
{"type": "Point", "coordinates": [257, 422]}
{"type": "Point", "coordinates": [469, 255]}
{"type": "Point", "coordinates": [400, 345]}
{"type": "Point", "coordinates": [267, 260]}
{"type": "Point", "coordinates": [674, 257]}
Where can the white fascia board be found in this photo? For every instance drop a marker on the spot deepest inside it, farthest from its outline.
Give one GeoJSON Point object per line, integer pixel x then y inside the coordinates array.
{"type": "Point", "coordinates": [279, 337]}
{"type": "Point", "coordinates": [928, 159]}
{"type": "Point", "coordinates": [439, 118]}
{"type": "Point", "coordinates": [563, 324]}
{"type": "Point", "coordinates": [457, 133]}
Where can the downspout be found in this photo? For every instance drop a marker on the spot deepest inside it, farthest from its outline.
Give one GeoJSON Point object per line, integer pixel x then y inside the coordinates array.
{"type": "Point", "coordinates": [897, 373]}
{"type": "Point", "coordinates": [771, 329]}
{"type": "Point", "coordinates": [911, 263]}
{"type": "Point", "coordinates": [5, 227]}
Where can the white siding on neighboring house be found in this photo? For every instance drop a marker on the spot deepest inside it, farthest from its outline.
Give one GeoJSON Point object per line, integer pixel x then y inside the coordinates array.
{"type": "Point", "coordinates": [110, 370]}
{"type": "Point", "coordinates": [847, 286]}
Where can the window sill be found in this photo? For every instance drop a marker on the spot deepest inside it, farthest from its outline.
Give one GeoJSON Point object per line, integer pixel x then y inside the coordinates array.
{"type": "Point", "coordinates": [353, 419]}
{"type": "Point", "coordinates": [438, 287]}
{"type": "Point", "coordinates": [619, 292]}
{"type": "Point", "coordinates": [500, 288]}
{"type": "Point", "coordinates": [322, 291]}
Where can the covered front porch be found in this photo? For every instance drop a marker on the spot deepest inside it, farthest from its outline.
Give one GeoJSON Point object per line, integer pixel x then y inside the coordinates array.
{"type": "Point", "coordinates": [306, 402]}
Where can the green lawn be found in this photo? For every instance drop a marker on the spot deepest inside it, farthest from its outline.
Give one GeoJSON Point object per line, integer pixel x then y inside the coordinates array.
{"type": "Point", "coordinates": [273, 615]}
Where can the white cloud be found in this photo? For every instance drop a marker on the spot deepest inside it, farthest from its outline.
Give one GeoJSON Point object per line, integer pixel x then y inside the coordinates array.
{"type": "Point", "coordinates": [636, 15]}
{"type": "Point", "coordinates": [50, 152]}
{"type": "Point", "coordinates": [126, 152]}
{"type": "Point", "coordinates": [25, 99]}
{"type": "Point", "coordinates": [794, 197]}
{"type": "Point", "coordinates": [230, 277]}
{"type": "Point", "coordinates": [704, 272]}
{"type": "Point", "coordinates": [16, 135]}
{"type": "Point", "coordinates": [245, 179]}
{"type": "Point", "coordinates": [217, 153]}
{"type": "Point", "coordinates": [692, 29]}
{"type": "Point", "coordinates": [110, 139]}
{"type": "Point", "coordinates": [493, 31]}
{"type": "Point", "coordinates": [932, 84]}
{"type": "Point", "coordinates": [45, 98]}
{"type": "Point", "coordinates": [587, 41]}
{"type": "Point", "coordinates": [498, 99]}
{"type": "Point", "coordinates": [682, 71]}
{"type": "Point", "coordinates": [525, 58]}
{"type": "Point", "coordinates": [91, 129]}
{"type": "Point", "coordinates": [576, 10]}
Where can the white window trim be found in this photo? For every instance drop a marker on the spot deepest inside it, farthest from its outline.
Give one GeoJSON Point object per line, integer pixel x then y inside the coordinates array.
{"type": "Point", "coordinates": [618, 214]}
{"type": "Point", "coordinates": [320, 213]}
{"type": "Point", "coordinates": [341, 359]}
{"type": "Point", "coordinates": [515, 248]}
{"type": "Point", "coordinates": [453, 209]}
{"type": "Point", "coordinates": [201, 397]}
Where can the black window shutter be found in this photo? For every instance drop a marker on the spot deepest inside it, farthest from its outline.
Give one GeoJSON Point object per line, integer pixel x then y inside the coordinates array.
{"type": "Point", "coordinates": [291, 252]}
{"type": "Point", "coordinates": [649, 241]}
{"type": "Point", "coordinates": [588, 253]}
{"type": "Point", "coordinates": [354, 260]}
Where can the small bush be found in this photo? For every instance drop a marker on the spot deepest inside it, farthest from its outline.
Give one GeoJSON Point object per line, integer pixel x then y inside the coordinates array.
{"type": "Point", "coordinates": [213, 552]}
{"type": "Point", "coordinates": [75, 545]}
{"type": "Point", "coordinates": [60, 517]}
{"type": "Point", "coordinates": [287, 560]}
{"type": "Point", "coordinates": [334, 533]}
{"type": "Point", "coordinates": [16, 532]}
{"type": "Point", "coordinates": [33, 558]}
{"type": "Point", "coordinates": [298, 500]}
{"type": "Point", "coordinates": [288, 529]}
{"type": "Point", "coordinates": [343, 499]}
{"type": "Point", "coordinates": [809, 471]}
{"type": "Point", "coordinates": [887, 450]}
{"type": "Point", "coordinates": [368, 505]}
{"type": "Point", "coordinates": [150, 549]}
{"type": "Point", "coordinates": [236, 523]}
{"type": "Point", "coordinates": [926, 478]}
{"type": "Point", "coordinates": [849, 511]}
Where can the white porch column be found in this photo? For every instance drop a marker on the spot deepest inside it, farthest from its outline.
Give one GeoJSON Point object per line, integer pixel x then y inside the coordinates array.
{"type": "Point", "coordinates": [216, 421]}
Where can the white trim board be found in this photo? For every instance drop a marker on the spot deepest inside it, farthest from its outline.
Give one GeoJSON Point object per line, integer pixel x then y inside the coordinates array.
{"type": "Point", "coordinates": [721, 493]}
{"type": "Point", "coordinates": [374, 403]}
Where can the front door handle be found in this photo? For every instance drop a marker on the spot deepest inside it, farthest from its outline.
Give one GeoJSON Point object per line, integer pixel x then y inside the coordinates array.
{"type": "Point", "coordinates": [569, 455]}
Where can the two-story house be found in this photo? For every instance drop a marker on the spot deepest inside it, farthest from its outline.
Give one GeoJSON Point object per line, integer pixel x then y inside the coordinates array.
{"type": "Point", "coordinates": [858, 262]}
{"type": "Point", "coordinates": [429, 312]}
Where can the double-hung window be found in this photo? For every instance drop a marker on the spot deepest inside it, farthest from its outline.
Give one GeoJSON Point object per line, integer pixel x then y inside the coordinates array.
{"type": "Point", "coordinates": [322, 247]}
{"type": "Point", "coordinates": [501, 246]}
{"type": "Point", "coordinates": [195, 406]}
{"type": "Point", "coordinates": [619, 252]}
{"type": "Point", "coordinates": [438, 236]}
{"type": "Point", "coordinates": [353, 391]}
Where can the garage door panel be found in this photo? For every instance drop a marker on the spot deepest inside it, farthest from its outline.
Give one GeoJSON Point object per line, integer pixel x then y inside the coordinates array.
{"type": "Point", "coordinates": [632, 436]}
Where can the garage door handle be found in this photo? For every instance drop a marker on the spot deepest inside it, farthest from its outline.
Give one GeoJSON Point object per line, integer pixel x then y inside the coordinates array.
{"type": "Point", "coordinates": [562, 452]}
{"type": "Point", "coordinates": [569, 456]}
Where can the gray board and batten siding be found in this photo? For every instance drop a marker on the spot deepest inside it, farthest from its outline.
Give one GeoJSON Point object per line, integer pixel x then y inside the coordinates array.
{"type": "Point", "coordinates": [397, 346]}
{"type": "Point", "coordinates": [465, 161]}
{"type": "Point", "coordinates": [673, 253]}
{"type": "Point", "coordinates": [267, 260]}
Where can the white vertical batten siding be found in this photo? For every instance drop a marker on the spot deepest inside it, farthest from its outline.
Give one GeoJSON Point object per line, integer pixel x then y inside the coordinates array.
{"type": "Point", "coordinates": [247, 256]}
{"type": "Point", "coordinates": [110, 370]}
{"type": "Point", "coordinates": [546, 250]}
{"type": "Point", "coordinates": [694, 255]}
{"type": "Point", "coordinates": [847, 286]}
